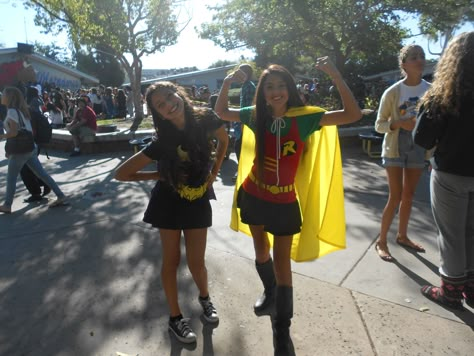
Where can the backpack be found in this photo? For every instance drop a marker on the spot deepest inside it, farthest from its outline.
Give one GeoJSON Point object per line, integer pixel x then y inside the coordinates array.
{"type": "Point", "coordinates": [42, 129]}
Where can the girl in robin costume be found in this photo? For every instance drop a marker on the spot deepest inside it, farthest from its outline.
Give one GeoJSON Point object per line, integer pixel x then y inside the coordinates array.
{"type": "Point", "coordinates": [184, 152]}
{"type": "Point", "coordinates": [268, 200]}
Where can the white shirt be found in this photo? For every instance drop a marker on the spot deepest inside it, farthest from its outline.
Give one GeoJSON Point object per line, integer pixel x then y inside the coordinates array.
{"type": "Point", "coordinates": [12, 115]}
{"type": "Point", "coordinates": [409, 98]}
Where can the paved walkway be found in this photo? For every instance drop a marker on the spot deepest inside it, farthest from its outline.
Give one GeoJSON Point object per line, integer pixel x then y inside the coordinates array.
{"type": "Point", "coordinates": [85, 279]}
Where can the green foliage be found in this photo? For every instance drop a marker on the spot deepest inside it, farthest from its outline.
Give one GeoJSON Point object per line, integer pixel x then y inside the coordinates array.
{"type": "Point", "coordinates": [220, 63]}
{"type": "Point", "coordinates": [361, 37]}
{"type": "Point", "coordinates": [358, 35]}
{"type": "Point", "coordinates": [54, 52]}
{"type": "Point", "coordinates": [102, 66]}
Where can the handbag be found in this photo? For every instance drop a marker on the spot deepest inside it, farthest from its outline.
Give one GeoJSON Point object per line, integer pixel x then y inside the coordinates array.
{"type": "Point", "coordinates": [23, 142]}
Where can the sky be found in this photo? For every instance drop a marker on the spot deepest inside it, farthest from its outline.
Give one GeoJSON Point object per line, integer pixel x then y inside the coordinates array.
{"type": "Point", "coordinates": [17, 25]}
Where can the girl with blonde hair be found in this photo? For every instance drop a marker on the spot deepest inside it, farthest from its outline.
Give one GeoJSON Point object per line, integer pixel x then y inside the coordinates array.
{"type": "Point", "coordinates": [18, 117]}
{"type": "Point", "coordinates": [402, 159]}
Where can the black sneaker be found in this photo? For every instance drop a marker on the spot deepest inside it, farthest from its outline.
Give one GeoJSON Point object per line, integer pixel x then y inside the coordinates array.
{"type": "Point", "coordinates": [182, 330]}
{"type": "Point", "coordinates": [209, 311]}
{"type": "Point", "coordinates": [33, 198]}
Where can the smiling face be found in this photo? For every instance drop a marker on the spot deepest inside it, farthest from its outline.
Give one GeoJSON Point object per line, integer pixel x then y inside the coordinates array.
{"type": "Point", "coordinates": [168, 104]}
{"type": "Point", "coordinates": [276, 94]}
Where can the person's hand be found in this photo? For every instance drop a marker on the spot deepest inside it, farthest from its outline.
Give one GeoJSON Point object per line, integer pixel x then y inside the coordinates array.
{"type": "Point", "coordinates": [210, 179]}
{"type": "Point", "coordinates": [408, 124]}
{"type": "Point", "coordinates": [325, 65]}
{"type": "Point", "coordinates": [236, 77]}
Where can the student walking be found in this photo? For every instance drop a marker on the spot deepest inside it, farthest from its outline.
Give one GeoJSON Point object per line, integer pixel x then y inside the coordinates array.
{"type": "Point", "coordinates": [18, 118]}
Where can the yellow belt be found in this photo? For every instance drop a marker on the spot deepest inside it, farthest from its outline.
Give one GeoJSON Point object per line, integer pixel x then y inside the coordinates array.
{"type": "Point", "coordinates": [274, 189]}
{"type": "Point", "coordinates": [192, 193]}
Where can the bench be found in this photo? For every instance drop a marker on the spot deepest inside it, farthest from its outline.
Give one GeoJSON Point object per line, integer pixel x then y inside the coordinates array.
{"type": "Point", "coordinates": [139, 143]}
{"type": "Point", "coordinates": [370, 138]}
{"type": "Point", "coordinates": [99, 143]}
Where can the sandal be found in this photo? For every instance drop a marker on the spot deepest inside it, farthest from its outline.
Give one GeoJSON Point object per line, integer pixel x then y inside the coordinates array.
{"type": "Point", "coordinates": [406, 242]}
{"type": "Point", "coordinates": [383, 254]}
{"type": "Point", "coordinates": [59, 202]}
{"type": "Point", "coordinates": [434, 294]}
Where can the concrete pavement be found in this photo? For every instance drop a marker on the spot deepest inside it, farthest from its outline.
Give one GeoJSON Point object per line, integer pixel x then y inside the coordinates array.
{"type": "Point", "coordinates": [85, 279]}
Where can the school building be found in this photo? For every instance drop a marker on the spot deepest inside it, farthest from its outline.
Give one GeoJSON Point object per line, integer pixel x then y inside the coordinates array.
{"type": "Point", "coordinates": [21, 64]}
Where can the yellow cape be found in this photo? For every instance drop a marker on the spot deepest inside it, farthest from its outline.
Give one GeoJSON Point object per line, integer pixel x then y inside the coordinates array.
{"type": "Point", "coordinates": [319, 188]}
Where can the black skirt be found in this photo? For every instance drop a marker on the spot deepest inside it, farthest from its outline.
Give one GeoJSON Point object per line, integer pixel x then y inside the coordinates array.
{"type": "Point", "coordinates": [167, 210]}
{"type": "Point", "coordinates": [277, 219]}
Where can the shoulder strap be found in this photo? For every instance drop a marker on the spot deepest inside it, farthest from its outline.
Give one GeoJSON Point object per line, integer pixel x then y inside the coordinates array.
{"type": "Point", "coordinates": [20, 119]}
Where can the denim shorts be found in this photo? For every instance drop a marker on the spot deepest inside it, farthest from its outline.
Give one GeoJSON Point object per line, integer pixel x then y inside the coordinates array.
{"type": "Point", "coordinates": [410, 154]}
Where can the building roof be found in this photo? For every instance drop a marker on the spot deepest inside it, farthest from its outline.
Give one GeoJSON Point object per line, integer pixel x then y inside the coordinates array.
{"type": "Point", "coordinates": [52, 63]}
{"type": "Point", "coordinates": [429, 69]}
{"type": "Point", "coordinates": [188, 74]}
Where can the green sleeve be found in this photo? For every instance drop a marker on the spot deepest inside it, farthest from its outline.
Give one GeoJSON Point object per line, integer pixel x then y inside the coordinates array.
{"type": "Point", "coordinates": [246, 117]}
{"type": "Point", "coordinates": [308, 124]}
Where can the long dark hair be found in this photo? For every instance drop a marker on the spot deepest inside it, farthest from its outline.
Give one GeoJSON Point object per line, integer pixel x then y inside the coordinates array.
{"type": "Point", "coordinates": [263, 112]}
{"type": "Point", "coordinates": [195, 143]}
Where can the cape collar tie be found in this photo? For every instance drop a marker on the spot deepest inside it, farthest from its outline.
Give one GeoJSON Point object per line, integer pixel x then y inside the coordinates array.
{"type": "Point", "coordinates": [277, 124]}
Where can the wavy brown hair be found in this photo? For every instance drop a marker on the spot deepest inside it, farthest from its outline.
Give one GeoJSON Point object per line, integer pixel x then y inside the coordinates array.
{"type": "Point", "coordinates": [263, 112]}
{"type": "Point", "coordinates": [453, 84]}
{"type": "Point", "coordinates": [196, 143]}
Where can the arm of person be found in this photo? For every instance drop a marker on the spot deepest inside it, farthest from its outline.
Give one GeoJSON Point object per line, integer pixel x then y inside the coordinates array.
{"type": "Point", "coordinates": [131, 169]}
{"type": "Point", "coordinates": [406, 124]}
{"type": "Point", "coordinates": [222, 103]}
{"type": "Point", "coordinates": [351, 111]}
{"type": "Point", "coordinates": [12, 132]}
{"type": "Point", "coordinates": [74, 121]}
{"type": "Point", "coordinates": [383, 121]}
{"type": "Point", "coordinates": [222, 141]}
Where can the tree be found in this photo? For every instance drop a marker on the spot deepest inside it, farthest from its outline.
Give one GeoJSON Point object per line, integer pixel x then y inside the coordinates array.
{"type": "Point", "coordinates": [439, 19]}
{"type": "Point", "coordinates": [283, 31]}
{"type": "Point", "coordinates": [102, 66]}
{"type": "Point", "coordinates": [220, 63]}
{"type": "Point", "coordinates": [125, 29]}
{"type": "Point", "coordinates": [54, 52]}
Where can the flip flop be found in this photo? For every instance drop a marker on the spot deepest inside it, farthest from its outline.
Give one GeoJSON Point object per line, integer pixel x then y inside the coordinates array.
{"type": "Point", "coordinates": [406, 242]}
{"type": "Point", "coordinates": [382, 255]}
{"type": "Point", "coordinates": [5, 210]}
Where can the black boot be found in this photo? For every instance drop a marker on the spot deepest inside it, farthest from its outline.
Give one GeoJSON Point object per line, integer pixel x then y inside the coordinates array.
{"type": "Point", "coordinates": [282, 344]}
{"type": "Point", "coordinates": [267, 275]}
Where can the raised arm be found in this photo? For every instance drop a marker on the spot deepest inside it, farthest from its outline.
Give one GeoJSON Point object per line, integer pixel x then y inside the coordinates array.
{"type": "Point", "coordinates": [351, 111]}
{"type": "Point", "coordinates": [222, 103]}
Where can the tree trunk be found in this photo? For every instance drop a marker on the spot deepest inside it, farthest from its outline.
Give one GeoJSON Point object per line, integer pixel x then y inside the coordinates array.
{"type": "Point", "coordinates": [135, 83]}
